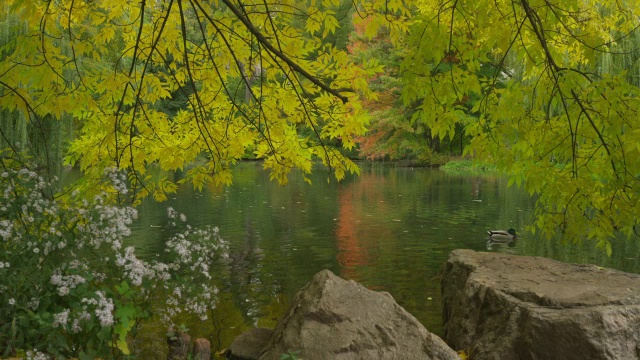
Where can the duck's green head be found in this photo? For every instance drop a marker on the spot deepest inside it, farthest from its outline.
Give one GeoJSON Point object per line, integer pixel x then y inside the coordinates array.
{"type": "Point", "coordinates": [512, 231]}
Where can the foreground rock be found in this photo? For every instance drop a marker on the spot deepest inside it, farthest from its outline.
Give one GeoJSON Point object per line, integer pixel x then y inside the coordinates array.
{"type": "Point", "coordinates": [332, 318]}
{"type": "Point", "coordinates": [249, 344]}
{"type": "Point", "coordinates": [499, 306]}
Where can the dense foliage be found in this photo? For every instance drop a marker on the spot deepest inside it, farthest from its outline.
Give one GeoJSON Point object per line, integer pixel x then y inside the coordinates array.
{"type": "Point", "coordinates": [558, 110]}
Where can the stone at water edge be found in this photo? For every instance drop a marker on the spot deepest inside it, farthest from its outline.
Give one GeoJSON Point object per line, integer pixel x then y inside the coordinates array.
{"type": "Point", "coordinates": [249, 344]}
{"type": "Point", "coordinates": [201, 349]}
{"type": "Point", "coordinates": [332, 318]}
{"type": "Point", "coordinates": [179, 346]}
{"type": "Point", "coordinates": [499, 306]}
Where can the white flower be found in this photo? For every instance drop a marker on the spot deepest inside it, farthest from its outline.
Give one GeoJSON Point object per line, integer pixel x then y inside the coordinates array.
{"type": "Point", "coordinates": [36, 355]}
{"type": "Point", "coordinates": [63, 290]}
{"type": "Point", "coordinates": [75, 327]}
{"type": "Point", "coordinates": [12, 301]}
{"type": "Point", "coordinates": [61, 318]}
{"type": "Point", "coordinates": [33, 304]}
{"type": "Point", "coordinates": [6, 229]}
{"type": "Point", "coordinates": [135, 268]}
{"type": "Point", "coordinates": [66, 283]}
{"type": "Point", "coordinates": [177, 292]}
{"type": "Point", "coordinates": [104, 310]}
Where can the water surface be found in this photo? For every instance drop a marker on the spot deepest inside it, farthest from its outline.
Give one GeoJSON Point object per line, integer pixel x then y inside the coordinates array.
{"type": "Point", "coordinates": [391, 229]}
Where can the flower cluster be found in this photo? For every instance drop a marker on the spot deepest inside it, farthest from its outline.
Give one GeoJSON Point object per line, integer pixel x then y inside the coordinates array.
{"type": "Point", "coordinates": [66, 282]}
{"type": "Point", "coordinates": [36, 355]}
{"type": "Point", "coordinates": [75, 270]}
{"type": "Point", "coordinates": [191, 252]}
{"type": "Point", "coordinates": [61, 318]}
{"type": "Point", "coordinates": [6, 228]}
{"type": "Point", "coordinates": [135, 269]}
{"type": "Point", "coordinates": [118, 180]}
{"type": "Point", "coordinates": [105, 224]}
{"type": "Point", "coordinates": [103, 306]}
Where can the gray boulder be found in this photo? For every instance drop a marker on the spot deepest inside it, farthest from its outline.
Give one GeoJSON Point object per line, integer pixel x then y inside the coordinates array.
{"type": "Point", "coordinates": [332, 318]}
{"type": "Point", "coordinates": [249, 344]}
{"type": "Point", "coordinates": [499, 306]}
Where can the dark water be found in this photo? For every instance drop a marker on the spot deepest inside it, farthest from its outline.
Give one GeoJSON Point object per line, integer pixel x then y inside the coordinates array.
{"type": "Point", "coordinates": [390, 228]}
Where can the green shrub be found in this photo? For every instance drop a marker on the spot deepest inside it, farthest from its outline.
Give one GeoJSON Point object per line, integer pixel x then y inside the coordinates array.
{"type": "Point", "coordinates": [290, 355]}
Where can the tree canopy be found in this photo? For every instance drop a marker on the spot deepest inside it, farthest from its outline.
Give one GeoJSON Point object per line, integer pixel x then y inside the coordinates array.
{"type": "Point", "coordinates": [548, 90]}
{"type": "Point", "coordinates": [178, 82]}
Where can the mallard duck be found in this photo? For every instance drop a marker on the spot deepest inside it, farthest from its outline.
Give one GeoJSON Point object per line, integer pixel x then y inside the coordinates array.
{"type": "Point", "coordinates": [502, 235]}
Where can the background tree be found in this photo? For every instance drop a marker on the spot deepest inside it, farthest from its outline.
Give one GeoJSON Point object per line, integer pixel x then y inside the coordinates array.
{"type": "Point", "coordinates": [43, 138]}
{"type": "Point", "coordinates": [393, 132]}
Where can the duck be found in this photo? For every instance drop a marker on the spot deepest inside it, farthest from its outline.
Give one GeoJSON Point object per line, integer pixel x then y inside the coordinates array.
{"type": "Point", "coordinates": [502, 235]}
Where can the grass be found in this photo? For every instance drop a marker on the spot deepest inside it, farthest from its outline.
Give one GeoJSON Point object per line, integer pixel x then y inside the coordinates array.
{"type": "Point", "coordinates": [465, 165]}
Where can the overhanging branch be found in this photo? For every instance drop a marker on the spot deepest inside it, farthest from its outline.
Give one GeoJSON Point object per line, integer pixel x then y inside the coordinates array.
{"type": "Point", "coordinates": [263, 40]}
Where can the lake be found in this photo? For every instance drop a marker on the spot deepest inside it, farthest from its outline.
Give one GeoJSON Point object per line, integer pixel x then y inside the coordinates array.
{"type": "Point", "coordinates": [391, 229]}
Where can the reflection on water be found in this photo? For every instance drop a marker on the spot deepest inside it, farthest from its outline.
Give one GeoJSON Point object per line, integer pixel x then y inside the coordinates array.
{"type": "Point", "coordinates": [389, 228]}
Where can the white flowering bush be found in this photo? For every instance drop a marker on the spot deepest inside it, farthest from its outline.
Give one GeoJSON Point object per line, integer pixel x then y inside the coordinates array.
{"type": "Point", "coordinates": [68, 285]}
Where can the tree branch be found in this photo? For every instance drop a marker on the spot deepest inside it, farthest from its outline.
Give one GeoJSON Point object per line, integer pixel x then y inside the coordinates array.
{"type": "Point", "coordinates": [263, 40]}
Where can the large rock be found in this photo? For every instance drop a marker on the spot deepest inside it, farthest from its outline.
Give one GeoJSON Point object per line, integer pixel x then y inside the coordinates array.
{"type": "Point", "coordinates": [499, 306]}
{"type": "Point", "coordinates": [332, 318]}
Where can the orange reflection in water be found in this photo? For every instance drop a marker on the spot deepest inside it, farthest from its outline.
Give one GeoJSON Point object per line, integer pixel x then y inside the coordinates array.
{"type": "Point", "coordinates": [358, 230]}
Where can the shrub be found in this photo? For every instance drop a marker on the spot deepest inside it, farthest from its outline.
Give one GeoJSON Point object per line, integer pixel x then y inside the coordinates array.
{"type": "Point", "coordinates": [68, 285]}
